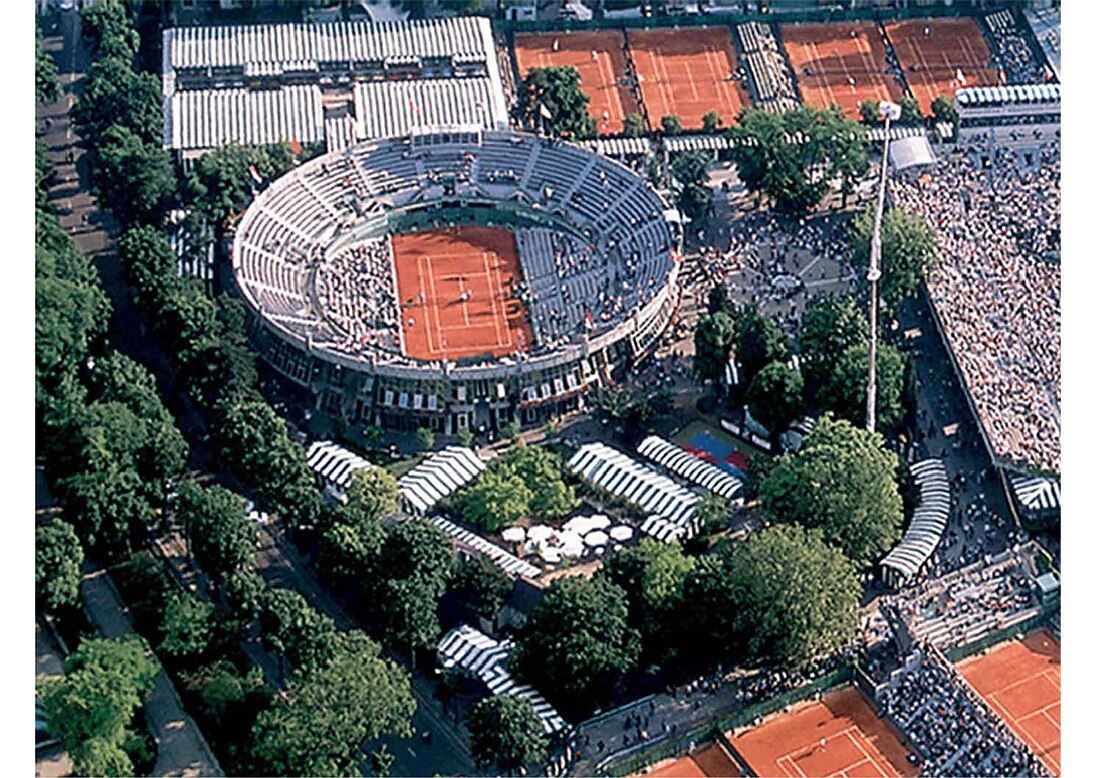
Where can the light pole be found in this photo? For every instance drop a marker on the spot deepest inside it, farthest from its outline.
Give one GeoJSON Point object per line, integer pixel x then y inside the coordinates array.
{"type": "Point", "coordinates": [889, 111]}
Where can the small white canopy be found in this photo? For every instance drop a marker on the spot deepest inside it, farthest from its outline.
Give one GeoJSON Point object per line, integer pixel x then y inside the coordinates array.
{"type": "Point", "coordinates": [514, 534]}
{"type": "Point", "coordinates": [622, 532]}
{"type": "Point", "coordinates": [599, 521]}
{"type": "Point", "coordinates": [579, 524]}
{"type": "Point", "coordinates": [539, 532]}
{"type": "Point", "coordinates": [551, 555]}
{"type": "Point", "coordinates": [910, 152]}
{"type": "Point", "coordinates": [597, 538]}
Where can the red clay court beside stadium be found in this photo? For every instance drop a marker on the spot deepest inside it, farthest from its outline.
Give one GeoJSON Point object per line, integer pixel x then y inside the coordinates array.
{"type": "Point", "coordinates": [1022, 682]}
{"type": "Point", "coordinates": [599, 78]}
{"type": "Point", "coordinates": [459, 281]}
{"type": "Point", "coordinates": [953, 45]}
{"type": "Point", "coordinates": [858, 743]}
{"type": "Point", "coordinates": [848, 62]}
{"type": "Point", "coordinates": [687, 73]}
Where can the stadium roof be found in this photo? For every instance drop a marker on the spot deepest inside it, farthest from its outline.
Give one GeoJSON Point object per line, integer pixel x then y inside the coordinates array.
{"type": "Point", "coordinates": [1008, 95]}
{"type": "Point", "coordinates": [262, 84]}
{"type": "Point", "coordinates": [1036, 493]}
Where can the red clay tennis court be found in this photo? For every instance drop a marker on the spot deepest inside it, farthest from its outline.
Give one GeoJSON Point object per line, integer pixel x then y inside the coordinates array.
{"type": "Point", "coordinates": [600, 76]}
{"type": "Point", "coordinates": [857, 742]}
{"type": "Point", "coordinates": [458, 281]}
{"type": "Point", "coordinates": [842, 64]}
{"type": "Point", "coordinates": [713, 761]}
{"type": "Point", "coordinates": [1022, 682]}
{"type": "Point", "coordinates": [951, 46]}
{"type": "Point", "coordinates": [687, 73]}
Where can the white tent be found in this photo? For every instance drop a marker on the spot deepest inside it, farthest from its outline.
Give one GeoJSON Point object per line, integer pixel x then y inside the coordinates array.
{"type": "Point", "coordinates": [514, 534]}
{"type": "Point", "coordinates": [435, 478]}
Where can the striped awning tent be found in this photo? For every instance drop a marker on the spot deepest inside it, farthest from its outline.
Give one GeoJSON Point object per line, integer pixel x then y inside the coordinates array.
{"type": "Point", "coordinates": [712, 478]}
{"type": "Point", "coordinates": [445, 473]}
{"type": "Point", "coordinates": [481, 656]}
{"type": "Point", "coordinates": [334, 463]}
{"type": "Point", "coordinates": [1035, 493]}
{"type": "Point", "coordinates": [662, 529]}
{"type": "Point", "coordinates": [619, 147]}
{"type": "Point", "coordinates": [927, 526]}
{"type": "Point", "coordinates": [634, 482]}
{"type": "Point", "coordinates": [509, 563]}
{"type": "Point", "coordinates": [698, 143]}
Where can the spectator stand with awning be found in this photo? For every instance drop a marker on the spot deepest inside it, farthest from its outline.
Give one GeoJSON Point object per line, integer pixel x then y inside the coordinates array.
{"type": "Point", "coordinates": [509, 563]}
{"type": "Point", "coordinates": [443, 474]}
{"type": "Point", "coordinates": [1036, 494]}
{"type": "Point", "coordinates": [691, 468]}
{"type": "Point", "coordinates": [639, 485]}
{"type": "Point", "coordinates": [927, 526]}
{"type": "Point", "coordinates": [334, 465]}
{"type": "Point", "coordinates": [475, 653]}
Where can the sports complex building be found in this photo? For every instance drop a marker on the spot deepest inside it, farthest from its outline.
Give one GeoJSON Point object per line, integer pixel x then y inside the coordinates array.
{"type": "Point", "coordinates": [456, 278]}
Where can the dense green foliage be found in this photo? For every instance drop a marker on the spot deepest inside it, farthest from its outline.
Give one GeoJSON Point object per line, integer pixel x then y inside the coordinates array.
{"type": "Point", "coordinates": [830, 326]}
{"type": "Point", "coordinates": [775, 396]}
{"type": "Point", "coordinates": [506, 732]}
{"type": "Point", "coordinates": [759, 341]}
{"type": "Point", "coordinates": [57, 559]}
{"type": "Point", "coordinates": [842, 482]}
{"type": "Point", "coordinates": [526, 481]}
{"type": "Point", "coordinates": [715, 334]}
{"type": "Point", "coordinates": [47, 87]}
{"type": "Point", "coordinates": [845, 392]}
{"type": "Point", "coordinates": [482, 585]}
{"type": "Point", "coordinates": [551, 99]}
{"type": "Point", "coordinates": [220, 183]}
{"type": "Point", "coordinates": [187, 627]}
{"type": "Point", "coordinates": [222, 538]}
{"type": "Point", "coordinates": [909, 250]}
{"type": "Point", "coordinates": [689, 168]}
{"type": "Point", "coordinates": [634, 125]}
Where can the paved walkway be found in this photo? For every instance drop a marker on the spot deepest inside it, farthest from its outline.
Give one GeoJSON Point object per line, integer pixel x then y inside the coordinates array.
{"type": "Point", "coordinates": [181, 748]}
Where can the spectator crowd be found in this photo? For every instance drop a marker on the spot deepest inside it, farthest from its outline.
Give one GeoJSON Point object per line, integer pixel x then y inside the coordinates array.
{"type": "Point", "coordinates": [355, 288]}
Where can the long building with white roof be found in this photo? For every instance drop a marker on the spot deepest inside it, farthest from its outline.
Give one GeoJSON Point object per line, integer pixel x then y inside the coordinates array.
{"type": "Point", "coordinates": [336, 82]}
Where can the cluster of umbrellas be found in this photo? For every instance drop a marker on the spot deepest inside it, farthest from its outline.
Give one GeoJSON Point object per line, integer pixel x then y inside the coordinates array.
{"type": "Point", "coordinates": [572, 540]}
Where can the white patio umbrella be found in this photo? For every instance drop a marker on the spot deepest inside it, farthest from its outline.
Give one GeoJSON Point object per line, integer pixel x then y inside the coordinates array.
{"type": "Point", "coordinates": [597, 538]}
{"type": "Point", "coordinates": [621, 532]}
{"type": "Point", "coordinates": [578, 524]}
{"type": "Point", "coordinates": [539, 533]}
{"type": "Point", "coordinates": [514, 534]}
{"type": "Point", "coordinates": [551, 555]}
{"type": "Point", "coordinates": [599, 521]}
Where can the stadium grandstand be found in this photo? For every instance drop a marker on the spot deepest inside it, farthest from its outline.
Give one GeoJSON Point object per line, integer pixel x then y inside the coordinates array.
{"type": "Point", "coordinates": [595, 282]}
{"type": "Point", "coordinates": [1026, 116]}
{"type": "Point", "coordinates": [336, 83]}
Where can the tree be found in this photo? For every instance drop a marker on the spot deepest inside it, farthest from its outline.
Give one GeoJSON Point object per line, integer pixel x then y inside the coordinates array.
{"type": "Point", "coordinates": [497, 499]}
{"type": "Point", "coordinates": [133, 178]}
{"type": "Point", "coordinates": [541, 470]}
{"type": "Point", "coordinates": [791, 157]}
{"type": "Point", "coordinates": [115, 96]}
{"type": "Point", "coordinates": [417, 549]}
{"type": "Point", "coordinates": [652, 575]}
{"type": "Point", "coordinates": [712, 122]}
{"type": "Point", "coordinates": [634, 126]}
{"type": "Point", "coordinates": [465, 436]}
{"type": "Point", "coordinates": [219, 533]}
{"type": "Point", "coordinates": [690, 171]}
{"type": "Point", "coordinates": [482, 585]}
{"type": "Point", "coordinates": [910, 112]}
{"type": "Point", "coordinates": [150, 265]}
{"type": "Point", "coordinates": [713, 513]}
{"type": "Point", "coordinates": [245, 591]}
{"type": "Point", "coordinates": [220, 183]}
{"type": "Point", "coordinates": [909, 250]}
{"type": "Point", "coordinates": [47, 87]}
{"type": "Point", "coordinates": [943, 108]}
{"type": "Point", "coordinates": [705, 627]}
{"type": "Point", "coordinates": [577, 643]}
{"type": "Point", "coordinates": [841, 481]}
{"type": "Point", "coordinates": [292, 627]}
{"type": "Point", "coordinates": [425, 438]}
{"type": "Point", "coordinates": [373, 495]}
{"type": "Point", "coordinates": [714, 336]}
{"type": "Point", "coordinates": [407, 609]}
{"type": "Point", "coordinates": [845, 392]}
{"type": "Point", "coordinates": [759, 341]}
{"type": "Point", "coordinates": [830, 326]}
{"type": "Point", "coordinates": [798, 596]}
{"type": "Point", "coordinates": [671, 125]}
{"type": "Point", "coordinates": [505, 731]}
{"type": "Point", "coordinates": [718, 299]}
{"type": "Point", "coordinates": [775, 396]}
{"type": "Point", "coordinates": [869, 112]}
{"type": "Point", "coordinates": [186, 627]}
{"type": "Point", "coordinates": [346, 552]}
{"type": "Point", "coordinates": [381, 761]}
{"type": "Point", "coordinates": [90, 707]}
{"type": "Point", "coordinates": [57, 559]}
{"type": "Point", "coordinates": [68, 318]}
{"type": "Point", "coordinates": [319, 725]}
{"type": "Point", "coordinates": [108, 29]}
{"type": "Point", "coordinates": [551, 98]}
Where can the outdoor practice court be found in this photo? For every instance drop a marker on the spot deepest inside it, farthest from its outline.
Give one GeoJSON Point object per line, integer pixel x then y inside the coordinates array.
{"type": "Point", "coordinates": [714, 446]}
{"type": "Point", "coordinates": [710, 762]}
{"type": "Point", "coordinates": [1022, 682]}
{"type": "Point", "coordinates": [953, 45]}
{"type": "Point", "coordinates": [847, 61]}
{"type": "Point", "coordinates": [687, 73]}
{"type": "Point", "coordinates": [857, 742]}
{"type": "Point", "coordinates": [599, 78]}
{"type": "Point", "coordinates": [435, 270]}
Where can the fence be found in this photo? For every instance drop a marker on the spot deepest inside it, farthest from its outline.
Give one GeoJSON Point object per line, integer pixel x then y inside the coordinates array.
{"type": "Point", "coordinates": [654, 751]}
{"type": "Point", "coordinates": [999, 636]}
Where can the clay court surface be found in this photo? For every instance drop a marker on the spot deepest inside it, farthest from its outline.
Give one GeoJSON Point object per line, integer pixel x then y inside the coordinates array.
{"type": "Point", "coordinates": [848, 64]}
{"type": "Point", "coordinates": [479, 263]}
{"type": "Point", "coordinates": [857, 742]}
{"type": "Point", "coordinates": [1022, 682]}
{"type": "Point", "coordinates": [710, 762]}
{"type": "Point", "coordinates": [600, 78]}
{"type": "Point", "coordinates": [686, 73]}
{"type": "Point", "coordinates": [953, 45]}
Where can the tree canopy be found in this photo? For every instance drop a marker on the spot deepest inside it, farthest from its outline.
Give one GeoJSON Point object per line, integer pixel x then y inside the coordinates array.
{"type": "Point", "coordinates": [526, 481]}
{"type": "Point", "coordinates": [551, 98]}
{"type": "Point", "coordinates": [634, 125]}
{"type": "Point", "coordinates": [908, 251]}
{"type": "Point", "coordinates": [220, 183]}
{"type": "Point", "coordinates": [222, 538]}
{"type": "Point", "coordinates": [775, 396]}
{"type": "Point", "coordinates": [943, 108]}
{"type": "Point", "coordinates": [671, 125]}
{"type": "Point", "coordinates": [830, 326]}
{"type": "Point", "coordinates": [506, 732]}
{"type": "Point", "coordinates": [759, 341]}
{"type": "Point", "coordinates": [841, 481]}
{"type": "Point", "coordinates": [714, 336]}
{"type": "Point", "coordinates": [791, 157]}
{"type": "Point", "coordinates": [577, 643]}
{"type": "Point", "coordinates": [845, 391]}
{"type": "Point", "coordinates": [295, 629]}
{"type": "Point", "coordinates": [689, 168]}
{"type": "Point", "coordinates": [47, 87]}
{"type": "Point", "coordinates": [712, 121]}
{"type": "Point", "coordinates": [482, 585]}
{"type": "Point", "coordinates": [319, 725]}
{"type": "Point", "coordinates": [57, 559]}
{"type": "Point", "coordinates": [187, 626]}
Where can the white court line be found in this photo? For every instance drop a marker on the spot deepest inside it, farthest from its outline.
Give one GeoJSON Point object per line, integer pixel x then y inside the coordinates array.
{"type": "Point", "coordinates": [429, 306]}
{"type": "Point", "coordinates": [493, 301]}
{"type": "Point", "coordinates": [795, 771]}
